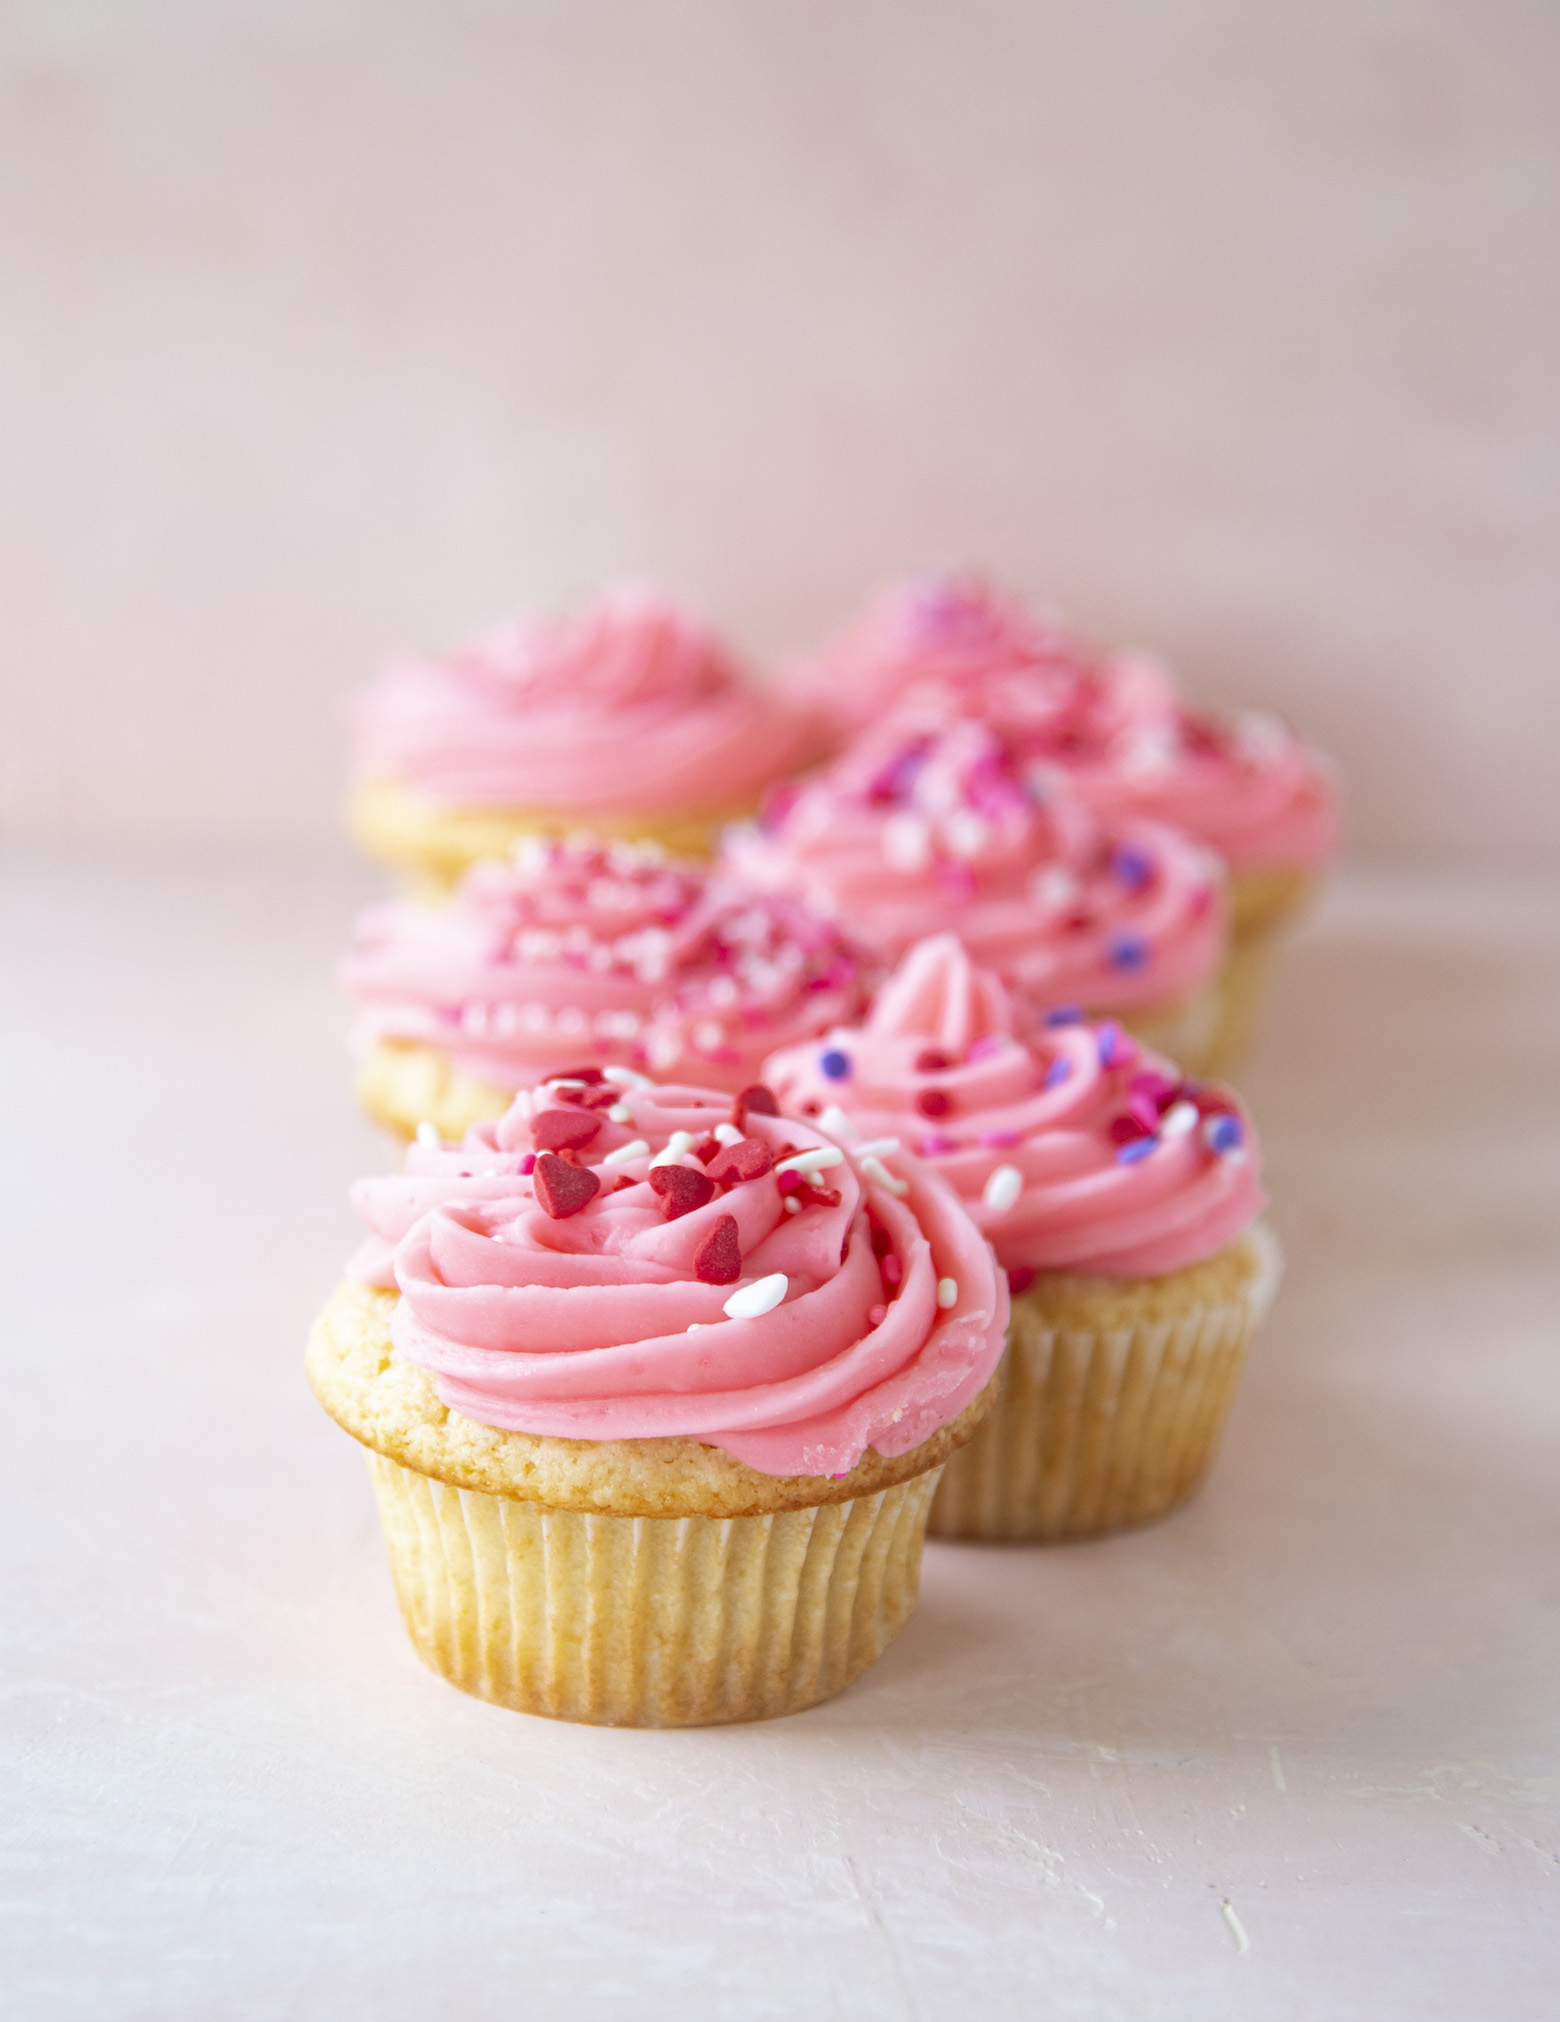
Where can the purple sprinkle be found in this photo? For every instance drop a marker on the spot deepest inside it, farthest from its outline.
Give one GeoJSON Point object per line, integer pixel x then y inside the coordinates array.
{"type": "Point", "coordinates": [999, 1139]}
{"type": "Point", "coordinates": [1109, 1041]}
{"type": "Point", "coordinates": [1224, 1133]}
{"type": "Point", "coordinates": [835, 1065]}
{"type": "Point", "coordinates": [1058, 1071]}
{"type": "Point", "coordinates": [1127, 951]}
{"type": "Point", "coordinates": [1065, 1014]}
{"type": "Point", "coordinates": [1140, 1147]}
{"type": "Point", "coordinates": [1133, 865]}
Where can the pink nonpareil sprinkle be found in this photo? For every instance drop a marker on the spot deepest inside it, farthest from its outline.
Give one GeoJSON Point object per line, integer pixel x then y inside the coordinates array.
{"type": "Point", "coordinates": [984, 1047]}
{"type": "Point", "coordinates": [876, 1315]}
{"type": "Point", "coordinates": [1001, 1140]}
{"type": "Point", "coordinates": [893, 1270]}
{"type": "Point", "coordinates": [935, 1144]}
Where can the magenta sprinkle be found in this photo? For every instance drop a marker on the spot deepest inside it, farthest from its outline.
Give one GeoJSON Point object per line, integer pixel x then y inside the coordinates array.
{"type": "Point", "coordinates": [789, 1180]}
{"type": "Point", "coordinates": [1124, 1129]}
{"type": "Point", "coordinates": [935, 1143]}
{"type": "Point", "coordinates": [1020, 1279]}
{"type": "Point", "coordinates": [1160, 1089]}
{"type": "Point", "coordinates": [893, 1270]}
{"type": "Point", "coordinates": [999, 1140]}
{"type": "Point", "coordinates": [528, 1164]}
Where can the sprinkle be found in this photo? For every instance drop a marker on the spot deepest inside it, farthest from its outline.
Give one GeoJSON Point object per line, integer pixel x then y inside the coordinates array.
{"type": "Point", "coordinates": [880, 1175]}
{"type": "Point", "coordinates": [947, 1292]}
{"type": "Point", "coordinates": [834, 1064]}
{"type": "Point", "coordinates": [1020, 1278]}
{"type": "Point", "coordinates": [727, 1133]}
{"type": "Point", "coordinates": [788, 1182]}
{"type": "Point", "coordinates": [759, 1100]}
{"type": "Point", "coordinates": [1223, 1133]}
{"type": "Point", "coordinates": [1065, 1014]}
{"type": "Point", "coordinates": [1139, 1148]}
{"type": "Point", "coordinates": [791, 1204]}
{"type": "Point", "coordinates": [748, 1302]}
{"type": "Point", "coordinates": [562, 1189]}
{"type": "Point", "coordinates": [748, 1159]}
{"type": "Point", "coordinates": [1178, 1119]}
{"type": "Point", "coordinates": [876, 1315]}
{"type": "Point", "coordinates": [932, 1060]}
{"type": "Point", "coordinates": [528, 1164]}
{"type": "Point", "coordinates": [1127, 951]}
{"type": "Point", "coordinates": [560, 1081]}
{"type": "Point", "coordinates": [933, 1102]}
{"type": "Point", "coordinates": [1001, 1140]}
{"type": "Point", "coordinates": [625, 1077]}
{"type": "Point", "coordinates": [988, 1044]}
{"type": "Point", "coordinates": [1124, 1129]}
{"type": "Point", "coordinates": [697, 1326]}
{"type": "Point", "coordinates": [718, 1259]}
{"type": "Point", "coordinates": [835, 1123]}
{"type": "Point", "coordinates": [682, 1188]}
{"type": "Point", "coordinates": [818, 1160]}
{"type": "Point", "coordinates": [1058, 1071]}
{"type": "Point", "coordinates": [935, 1143]}
{"type": "Point", "coordinates": [564, 1129]}
{"type": "Point", "coordinates": [1003, 1189]}
{"type": "Point", "coordinates": [1134, 865]}
{"type": "Point", "coordinates": [677, 1144]}
{"type": "Point", "coordinates": [892, 1268]}
{"type": "Point", "coordinates": [1116, 1049]}
{"type": "Point", "coordinates": [620, 1112]}
{"type": "Point", "coordinates": [635, 1148]}
{"type": "Point", "coordinates": [428, 1136]}
{"type": "Point", "coordinates": [877, 1147]}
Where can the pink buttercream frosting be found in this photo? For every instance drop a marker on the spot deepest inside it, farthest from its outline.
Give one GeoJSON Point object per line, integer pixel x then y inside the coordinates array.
{"type": "Point", "coordinates": [606, 1322]}
{"type": "Point", "coordinates": [934, 822]}
{"type": "Point", "coordinates": [1080, 1151]}
{"type": "Point", "coordinates": [1133, 746]}
{"type": "Point", "coordinates": [626, 706]}
{"type": "Point", "coordinates": [608, 951]}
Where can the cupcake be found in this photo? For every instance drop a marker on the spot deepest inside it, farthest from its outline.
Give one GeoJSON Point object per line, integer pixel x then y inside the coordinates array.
{"type": "Point", "coordinates": [934, 823]}
{"type": "Point", "coordinates": [626, 717]}
{"type": "Point", "coordinates": [607, 950]}
{"type": "Point", "coordinates": [1121, 1200]}
{"type": "Point", "coordinates": [655, 1405]}
{"type": "Point", "coordinates": [1131, 745]}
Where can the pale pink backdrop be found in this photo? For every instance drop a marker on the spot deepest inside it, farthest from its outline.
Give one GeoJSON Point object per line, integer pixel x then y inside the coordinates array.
{"type": "Point", "coordinates": [328, 327]}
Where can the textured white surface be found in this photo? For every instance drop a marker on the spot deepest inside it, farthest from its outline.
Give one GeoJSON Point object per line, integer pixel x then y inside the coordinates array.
{"type": "Point", "coordinates": [332, 326]}
{"type": "Point", "coordinates": [1291, 1754]}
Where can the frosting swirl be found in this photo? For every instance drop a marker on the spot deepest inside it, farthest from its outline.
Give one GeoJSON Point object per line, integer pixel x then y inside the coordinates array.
{"type": "Point", "coordinates": [932, 823]}
{"type": "Point", "coordinates": [640, 1284]}
{"type": "Point", "coordinates": [624, 707]}
{"type": "Point", "coordinates": [1079, 1151]}
{"type": "Point", "coordinates": [1133, 747]}
{"type": "Point", "coordinates": [604, 949]}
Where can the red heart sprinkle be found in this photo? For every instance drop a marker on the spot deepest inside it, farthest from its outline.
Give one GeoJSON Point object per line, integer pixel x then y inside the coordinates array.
{"type": "Point", "coordinates": [759, 1100]}
{"type": "Point", "coordinates": [718, 1259]}
{"type": "Point", "coordinates": [563, 1189]}
{"type": "Point", "coordinates": [576, 1074]}
{"type": "Point", "coordinates": [681, 1188]}
{"type": "Point", "coordinates": [749, 1159]}
{"type": "Point", "coordinates": [933, 1102]}
{"type": "Point", "coordinates": [561, 1129]}
{"type": "Point", "coordinates": [706, 1149]}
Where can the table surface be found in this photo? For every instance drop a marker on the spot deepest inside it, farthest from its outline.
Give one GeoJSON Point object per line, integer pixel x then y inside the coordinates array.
{"type": "Point", "coordinates": [1292, 1753]}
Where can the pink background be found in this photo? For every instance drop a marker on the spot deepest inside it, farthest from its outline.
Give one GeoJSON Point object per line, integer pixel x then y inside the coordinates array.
{"type": "Point", "coordinates": [330, 327]}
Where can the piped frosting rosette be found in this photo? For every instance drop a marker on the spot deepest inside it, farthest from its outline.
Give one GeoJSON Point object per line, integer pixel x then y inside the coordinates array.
{"type": "Point", "coordinates": [626, 706]}
{"type": "Point", "coordinates": [1133, 747]}
{"type": "Point", "coordinates": [605, 949]}
{"type": "Point", "coordinates": [1079, 1151]}
{"type": "Point", "coordinates": [619, 1260]}
{"type": "Point", "coordinates": [934, 823]}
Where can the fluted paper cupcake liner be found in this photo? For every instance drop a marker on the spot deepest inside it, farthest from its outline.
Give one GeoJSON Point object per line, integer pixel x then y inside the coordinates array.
{"type": "Point", "coordinates": [649, 1621]}
{"type": "Point", "coordinates": [1100, 1429]}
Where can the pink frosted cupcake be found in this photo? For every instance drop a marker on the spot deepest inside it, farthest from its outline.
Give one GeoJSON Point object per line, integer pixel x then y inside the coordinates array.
{"type": "Point", "coordinates": [626, 717]}
{"type": "Point", "coordinates": [582, 948]}
{"type": "Point", "coordinates": [1122, 1201]}
{"type": "Point", "coordinates": [1131, 745]}
{"type": "Point", "coordinates": [655, 1401]}
{"type": "Point", "coordinates": [932, 823]}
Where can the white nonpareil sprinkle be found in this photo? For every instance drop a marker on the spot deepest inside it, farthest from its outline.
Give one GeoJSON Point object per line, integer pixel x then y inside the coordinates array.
{"type": "Point", "coordinates": [428, 1136]}
{"type": "Point", "coordinates": [835, 1123]}
{"type": "Point", "coordinates": [947, 1292]}
{"type": "Point", "coordinates": [812, 1161]}
{"type": "Point", "coordinates": [727, 1133]}
{"type": "Point", "coordinates": [694, 1326]}
{"type": "Point", "coordinates": [907, 842]}
{"type": "Point", "coordinates": [635, 1148]}
{"type": "Point", "coordinates": [880, 1175]}
{"type": "Point", "coordinates": [792, 1205]}
{"type": "Point", "coordinates": [1178, 1119]}
{"type": "Point", "coordinates": [679, 1142]}
{"type": "Point", "coordinates": [564, 1081]}
{"type": "Point", "coordinates": [620, 1113]}
{"type": "Point", "coordinates": [625, 1077]}
{"type": "Point", "coordinates": [877, 1147]}
{"type": "Point", "coordinates": [1003, 1189]}
{"type": "Point", "coordinates": [747, 1302]}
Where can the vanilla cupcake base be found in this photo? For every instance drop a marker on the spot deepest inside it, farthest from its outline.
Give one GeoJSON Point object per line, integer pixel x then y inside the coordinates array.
{"type": "Point", "coordinates": [641, 1582]}
{"type": "Point", "coordinates": [431, 844]}
{"type": "Point", "coordinates": [404, 1082]}
{"type": "Point", "coordinates": [1187, 1032]}
{"type": "Point", "coordinates": [1115, 1393]}
{"type": "Point", "coordinates": [1264, 906]}
{"type": "Point", "coordinates": [649, 1621]}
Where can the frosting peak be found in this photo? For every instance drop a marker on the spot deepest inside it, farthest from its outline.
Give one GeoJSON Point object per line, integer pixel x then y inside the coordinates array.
{"type": "Point", "coordinates": [938, 993]}
{"type": "Point", "coordinates": [693, 1268]}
